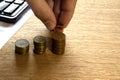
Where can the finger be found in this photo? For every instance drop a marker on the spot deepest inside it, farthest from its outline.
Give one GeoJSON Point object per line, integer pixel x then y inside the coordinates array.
{"type": "Point", "coordinates": [59, 29]}
{"type": "Point", "coordinates": [43, 12]}
{"type": "Point", "coordinates": [67, 10]}
{"type": "Point", "coordinates": [50, 3]}
{"type": "Point", "coordinates": [56, 8]}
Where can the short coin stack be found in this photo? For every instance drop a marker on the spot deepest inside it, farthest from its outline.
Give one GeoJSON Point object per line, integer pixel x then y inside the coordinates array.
{"type": "Point", "coordinates": [39, 44]}
{"type": "Point", "coordinates": [58, 42]}
{"type": "Point", "coordinates": [21, 46]}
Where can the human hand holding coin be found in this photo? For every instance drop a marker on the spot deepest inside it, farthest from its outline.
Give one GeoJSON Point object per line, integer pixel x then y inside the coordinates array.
{"type": "Point", "coordinates": [55, 14]}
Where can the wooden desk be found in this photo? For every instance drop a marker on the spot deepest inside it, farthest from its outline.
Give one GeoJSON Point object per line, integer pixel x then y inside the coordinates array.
{"type": "Point", "coordinates": [92, 50]}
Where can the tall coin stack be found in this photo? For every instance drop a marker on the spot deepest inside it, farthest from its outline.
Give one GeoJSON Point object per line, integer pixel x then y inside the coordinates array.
{"type": "Point", "coordinates": [58, 42]}
{"type": "Point", "coordinates": [21, 46]}
{"type": "Point", "coordinates": [39, 44]}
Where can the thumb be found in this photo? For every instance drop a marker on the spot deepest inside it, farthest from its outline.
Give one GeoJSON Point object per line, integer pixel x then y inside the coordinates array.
{"type": "Point", "coordinates": [43, 12]}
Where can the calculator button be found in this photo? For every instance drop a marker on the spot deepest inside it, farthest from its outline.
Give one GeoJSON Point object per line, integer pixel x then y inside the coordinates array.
{"type": "Point", "coordinates": [20, 9]}
{"type": "Point", "coordinates": [3, 5]}
{"type": "Point", "coordinates": [18, 1]}
{"type": "Point", "coordinates": [11, 9]}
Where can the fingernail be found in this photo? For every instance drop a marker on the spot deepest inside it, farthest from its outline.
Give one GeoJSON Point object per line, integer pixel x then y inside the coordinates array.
{"type": "Point", "coordinates": [59, 26]}
{"type": "Point", "coordinates": [50, 25]}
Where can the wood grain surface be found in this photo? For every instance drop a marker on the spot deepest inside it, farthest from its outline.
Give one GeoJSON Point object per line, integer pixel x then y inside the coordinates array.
{"type": "Point", "coordinates": [92, 48]}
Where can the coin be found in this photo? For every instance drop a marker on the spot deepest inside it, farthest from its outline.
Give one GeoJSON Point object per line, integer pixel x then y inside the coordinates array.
{"type": "Point", "coordinates": [21, 46]}
{"type": "Point", "coordinates": [39, 40]}
{"type": "Point", "coordinates": [39, 44]}
{"type": "Point", "coordinates": [58, 36]}
{"type": "Point", "coordinates": [58, 42]}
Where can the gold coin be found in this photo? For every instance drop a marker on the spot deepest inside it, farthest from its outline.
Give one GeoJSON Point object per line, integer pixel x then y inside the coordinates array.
{"type": "Point", "coordinates": [39, 40]}
{"type": "Point", "coordinates": [58, 36]}
{"type": "Point", "coordinates": [39, 44]}
{"type": "Point", "coordinates": [21, 46]}
{"type": "Point", "coordinates": [58, 42]}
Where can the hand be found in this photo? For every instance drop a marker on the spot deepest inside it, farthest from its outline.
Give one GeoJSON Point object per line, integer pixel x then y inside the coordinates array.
{"type": "Point", "coordinates": [55, 14]}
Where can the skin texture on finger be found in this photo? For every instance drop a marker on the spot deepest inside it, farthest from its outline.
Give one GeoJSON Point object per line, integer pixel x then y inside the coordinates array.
{"type": "Point", "coordinates": [56, 8]}
{"type": "Point", "coordinates": [50, 3]}
{"type": "Point", "coordinates": [66, 12]}
{"type": "Point", "coordinates": [43, 12]}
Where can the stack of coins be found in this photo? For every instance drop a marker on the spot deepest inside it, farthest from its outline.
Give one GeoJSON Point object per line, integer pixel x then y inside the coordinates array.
{"type": "Point", "coordinates": [58, 42]}
{"type": "Point", "coordinates": [21, 46]}
{"type": "Point", "coordinates": [39, 44]}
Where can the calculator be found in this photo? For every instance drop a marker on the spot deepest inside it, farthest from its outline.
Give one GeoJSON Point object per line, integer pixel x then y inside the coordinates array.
{"type": "Point", "coordinates": [12, 10]}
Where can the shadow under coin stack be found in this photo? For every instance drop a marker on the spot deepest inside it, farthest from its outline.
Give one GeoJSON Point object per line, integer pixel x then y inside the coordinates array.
{"type": "Point", "coordinates": [21, 46]}
{"type": "Point", "coordinates": [39, 44]}
{"type": "Point", "coordinates": [58, 42]}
